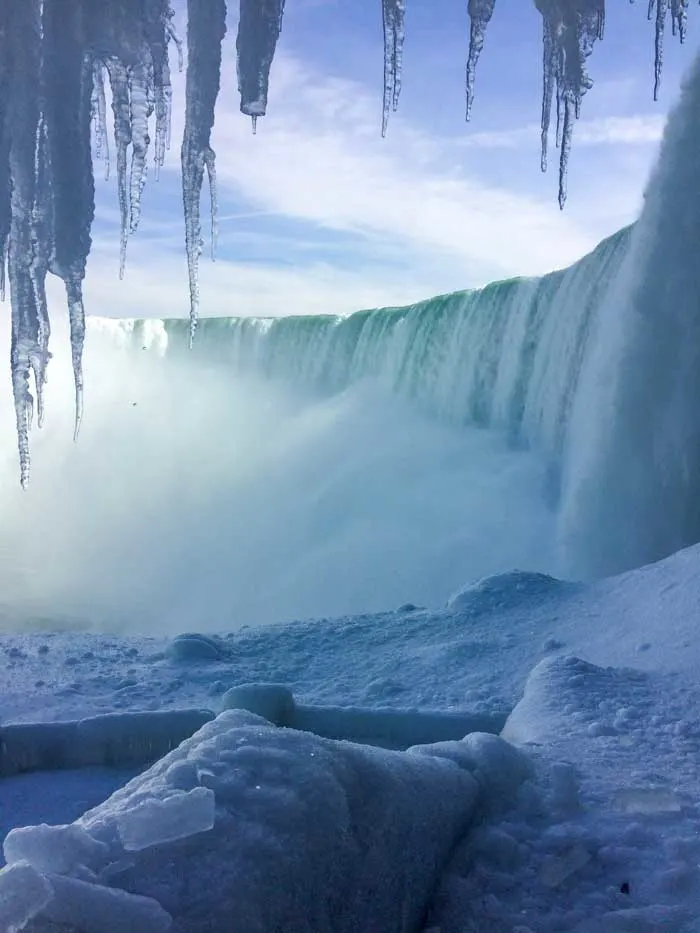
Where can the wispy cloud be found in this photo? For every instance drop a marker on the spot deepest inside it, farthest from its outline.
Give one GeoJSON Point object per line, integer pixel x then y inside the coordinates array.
{"type": "Point", "coordinates": [320, 214]}
{"type": "Point", "coordinates": [611, 131]}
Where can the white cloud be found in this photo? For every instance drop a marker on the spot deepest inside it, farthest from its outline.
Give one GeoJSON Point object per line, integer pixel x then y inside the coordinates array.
{"type": "Point", "coordinates": [608, 131]}
{"type": "Point", "coordinates": [417, 215]}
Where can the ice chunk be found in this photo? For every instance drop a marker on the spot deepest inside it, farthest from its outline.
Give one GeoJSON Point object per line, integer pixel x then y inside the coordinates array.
{"type": "Point", "coordinates": [93, 908]}
{"type": "Point", "coordinates": [648, 800]}
{"type": "Point", "coordinates": [56, 849]}
{"type": "Point", "coordinates": [557, 868]}
{"type": "Point", "coordinates": [24, 893]}
{"type": "Point", "coordinates": [154, 822]}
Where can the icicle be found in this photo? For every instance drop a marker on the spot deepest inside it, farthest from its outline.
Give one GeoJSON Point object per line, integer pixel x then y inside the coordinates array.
{"type": "Point", "coordinates": [570, 31]}
{"type": "Point", "coordinates": [119, 82]}
{"type": "Point", "coordinates": [205, 33]}
{"type": "Point", "coordinates": [159, 31]}
{"type": "Point", "coordinates": [30, 233]}
{"type": "Point", "coordinates": [480, 13]}
{"type": "Point", "coordinates": [661, 11]}
{"type": "Point", "coordinates": [99, 115]}
{"type": "Point", "coordinates": [679, 18]}
{"type": "Point", "coordinates": [548, 81]}
{"type": "Point", "coordinates": [68, 118]}
{"type": "Point", "coordinates": [259, 28]}
{"type": "Point", "coordinates": [142, 106]}
{"type": "Point", "coordinates": [210, 162]}
{"type": "Point", "coordinates": [394, 12]}
{"type": "Point", "coordinates": [5, 183]}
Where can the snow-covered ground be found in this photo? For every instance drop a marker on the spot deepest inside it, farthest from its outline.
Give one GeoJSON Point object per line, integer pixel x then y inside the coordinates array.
{"type": "Point", "coordinates": [603, 834]}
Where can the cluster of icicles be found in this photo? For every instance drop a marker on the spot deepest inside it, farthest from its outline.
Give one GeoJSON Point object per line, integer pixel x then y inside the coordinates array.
{"type": "Point", "coordinates": [55, 56]}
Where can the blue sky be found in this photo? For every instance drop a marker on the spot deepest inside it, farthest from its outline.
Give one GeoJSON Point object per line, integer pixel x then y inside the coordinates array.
{"type": "Point", "coordinates": [319, 214]}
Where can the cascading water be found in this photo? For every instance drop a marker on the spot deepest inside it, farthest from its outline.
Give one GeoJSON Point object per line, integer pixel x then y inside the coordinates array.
{"type": "Point", "coordinates": [508, 356]}
{"type": "Point", "coordinates": [632, 491]}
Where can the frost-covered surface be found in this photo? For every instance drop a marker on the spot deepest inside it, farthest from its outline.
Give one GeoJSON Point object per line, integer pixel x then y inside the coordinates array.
{"type": "Point", "coordinates": [605, 835]}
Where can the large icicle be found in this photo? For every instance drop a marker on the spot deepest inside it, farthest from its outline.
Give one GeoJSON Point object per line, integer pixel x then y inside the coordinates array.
{"type": "Point", "coordinates": [99, 114]}
{"type": "Point", "coordinates": [119, 81]}
{"type": "Point", "coordinates": [679, 14]}
{"type": "Point", "coordinates": [30, 234]}
{"type": "Point", "coordinates": [159, 31]}
{"type": "Point", "coordinates": [206, 29]}
{"type": "Point", "coordinates": [259, 28]}
{"type": "Point", "coordinates": [69, 73]}
{"type": "Point", "coordinates": [394, 13]}
{"type": "Point", "coordinates": [130, 37]}
{"type": "Point", "coordinates": [480, 13]}
{"type": "Point", "coordinates": [5, 192]}
{"type": "Point", "coordinates": [570, 31]}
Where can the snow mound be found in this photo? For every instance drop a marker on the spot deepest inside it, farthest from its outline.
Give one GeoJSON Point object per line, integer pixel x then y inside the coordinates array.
{"type": "Point", "coordinates": [307, 834]}
{"type": "Point", "coordinates": [560, 689]}
{"type": "Point", "coordinates": [193, 646]}
{"type": "Point", "coordinates": [504, 591]}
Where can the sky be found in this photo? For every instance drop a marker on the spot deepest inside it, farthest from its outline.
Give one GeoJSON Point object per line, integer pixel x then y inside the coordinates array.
{"type": "Point", "coordinates": [319, 214]}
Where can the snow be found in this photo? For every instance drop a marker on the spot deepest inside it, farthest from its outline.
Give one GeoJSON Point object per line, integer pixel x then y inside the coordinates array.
{"type": "Point", "coordinates": [586, 818]}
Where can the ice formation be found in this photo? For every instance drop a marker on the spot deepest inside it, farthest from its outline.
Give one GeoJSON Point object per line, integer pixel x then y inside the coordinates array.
{"type": "Point", "coordinates": [206, 28]}
{"type": "Point", "coordinates": [292, 832]}
{"type": "Point", "coordinates": [394, 12]}
{"type": "Point", "coordinates": [54, 57]}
